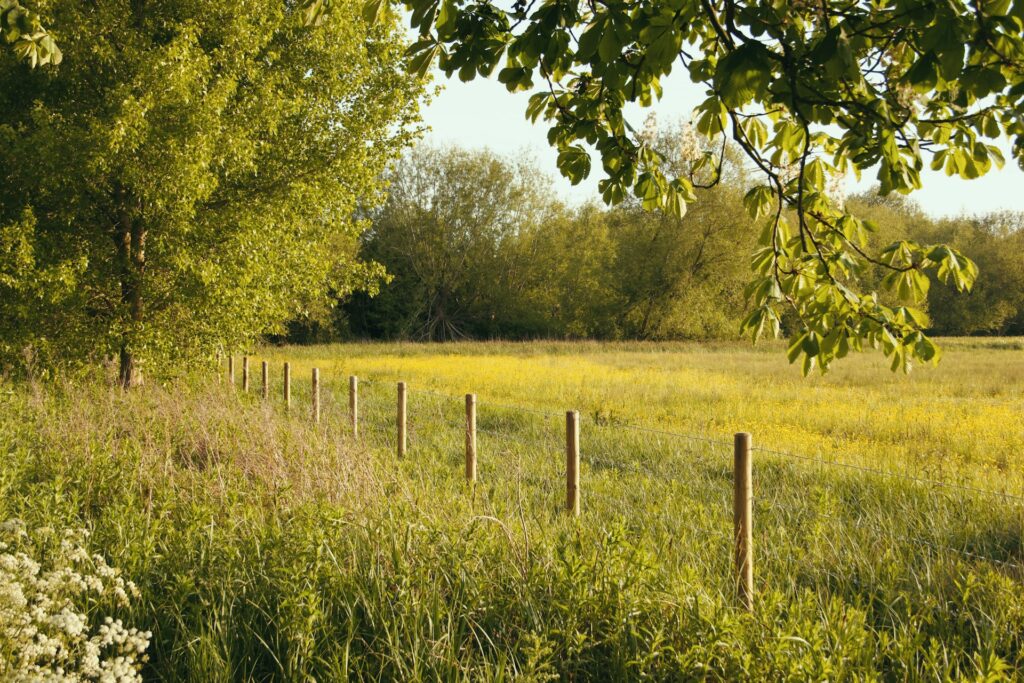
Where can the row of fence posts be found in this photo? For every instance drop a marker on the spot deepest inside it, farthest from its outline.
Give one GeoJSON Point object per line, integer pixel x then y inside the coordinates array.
{"type": "Point", "coordinates": [742, 465]}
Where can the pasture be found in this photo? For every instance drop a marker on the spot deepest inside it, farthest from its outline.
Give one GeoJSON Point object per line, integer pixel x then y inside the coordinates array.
{"type": "Point", "coordinates": [958, 422]}
{"type": "Point", "coordinates": [887, 517]}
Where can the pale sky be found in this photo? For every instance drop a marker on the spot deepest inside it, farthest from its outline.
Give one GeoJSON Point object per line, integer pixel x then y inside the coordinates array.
{"type": "Point", "coordinates": [482, 113]}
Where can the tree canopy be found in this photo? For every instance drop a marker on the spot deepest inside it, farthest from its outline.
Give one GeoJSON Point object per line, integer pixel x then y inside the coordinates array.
{"type": "Point", "coordinates": [478, 245]}
{"type": "Point", "coordinates": [450, 234]}
{"type": "Point", "coordinates": [808, 90]}
{"type": "Point", "coordinates": [191, 175]}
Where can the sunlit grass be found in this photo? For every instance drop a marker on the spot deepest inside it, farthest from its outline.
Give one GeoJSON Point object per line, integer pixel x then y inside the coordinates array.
{"type": "Point", "coordinates": [958, 422]}
{"type": "Point", "coordinates": [269, 548]}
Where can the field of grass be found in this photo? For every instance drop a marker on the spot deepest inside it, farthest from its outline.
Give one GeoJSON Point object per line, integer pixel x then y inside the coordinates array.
{"type": "Point", "coordinates": [959, 422]}
{"type": "Point", "coordinates": [266, 548]}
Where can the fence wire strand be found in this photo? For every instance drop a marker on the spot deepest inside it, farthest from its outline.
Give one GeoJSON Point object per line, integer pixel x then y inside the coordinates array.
{"type": "Point", "coordinates": [889, 473]}
{"type": "Point", "coordinates": [615, 444]}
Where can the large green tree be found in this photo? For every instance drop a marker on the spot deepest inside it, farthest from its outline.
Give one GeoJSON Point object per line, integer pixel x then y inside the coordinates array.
{"type": "Point", "coordinates": [996, 303]}
{"type": "Point", "coordinates": [808, 90]}
{"type": "Point", "coordinates": [683, 276]}
{"type": "Point", "coordinates": [191, 175]}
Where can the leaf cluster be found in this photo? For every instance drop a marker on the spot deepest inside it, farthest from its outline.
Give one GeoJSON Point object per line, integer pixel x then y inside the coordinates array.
{"type": "Point", "coordinates": [23, 29]}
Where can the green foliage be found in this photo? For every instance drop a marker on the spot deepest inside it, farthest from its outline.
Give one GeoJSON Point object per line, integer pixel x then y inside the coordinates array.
{"type": "Point", "coordinates": [478, 246]}
{"type": "Point", "coordinates": [29, 39]}
{"type": "Point", "coordinates": [450, 236]}
{"type": "Point", "coordinates": [809, 91]}
{"type": "Point", "coordinates": [996, 304]}
{"type": "Point", "coordinates": [995, 242]}
{"type": "Point", "coordinates": [192, 175]}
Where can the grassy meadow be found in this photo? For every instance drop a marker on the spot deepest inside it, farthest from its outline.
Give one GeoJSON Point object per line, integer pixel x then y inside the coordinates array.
{"type": "Point", "coordinates": [267, 548]}
{"type": "Point", "coordinates": [958, 422]}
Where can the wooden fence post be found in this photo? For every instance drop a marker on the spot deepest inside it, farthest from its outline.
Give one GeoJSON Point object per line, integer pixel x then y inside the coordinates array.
{"type": "Point", "coordinates": [742, 511]}
{"type": "Point", "coordinates": [287, 385]}
{"type": "Point", "coordinates": [353, 405]}
{"type": "Point", "coordinates": [245, 373]}
{"type": "Point", "coordinates": [471, 437]}
{"type": "Point", "coordinates": [316, 395]}
{"type": "Point", "coordinates": [265, 376]}
{"type": "Point", "coordinates": [401, 420]}
{"type": "Point", "coordinates": [572, 463]}
{"type": "Point", "coordinates": [231, 371]}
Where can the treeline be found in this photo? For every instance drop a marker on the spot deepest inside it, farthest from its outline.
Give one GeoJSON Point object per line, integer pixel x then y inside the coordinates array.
{"type": "Point", "coordinates": [995, 241]}
{"type": "Point", "coordinates": [477, 246]}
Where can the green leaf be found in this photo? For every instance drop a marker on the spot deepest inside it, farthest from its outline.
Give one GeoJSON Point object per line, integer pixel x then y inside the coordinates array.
{"type": "Point", "coordinates": [663, 40]}
{"type": "Point", "coordinates": [758, 201]}
{"type": "Point", "coordinates": [612, 191]}
{"type": "Point", "coordinates": [743, 74]}
{"type": "Point", "coordinates": [609, 48]}
{"type": "Point", "coordinates": [423, 59]}
{"type": "Point", "coordinates": [795, 348]}
{"type": "Point", "coordinates": [923, 75]}
{"type": "Point", "coordinates": [516, 78]}
{"type": "Point", "coordinates": [808, 364]}
{"type": "Point", "coordinates": [375, 11]}
{"type": "Point", "coordinates": [814, 173]}
{"type": "Point", "coordinates": [712, 118]}
{"type": "Point", "coordinates": [574, 163]}
{"type": "Point", "coordinates": [590, 38]}
{"type": "Point", "coordinates": [446, 17]}
{"type": "Point", "coordinates": [755, 131]}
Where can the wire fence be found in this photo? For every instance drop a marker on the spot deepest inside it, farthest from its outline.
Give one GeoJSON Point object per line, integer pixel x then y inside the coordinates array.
{"type": "Point", "coordinates": [687, 486]}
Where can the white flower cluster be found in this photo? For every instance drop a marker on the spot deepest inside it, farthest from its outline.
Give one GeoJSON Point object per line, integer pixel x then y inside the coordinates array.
{"type": "Point", "coordinates": [690, 148]}
{"type": "Point", "coordinates": [47, 589]}
{"type": "Point", "coordinates": [649, 132]}
{"type": "Point", "coordinates": [835, 189]}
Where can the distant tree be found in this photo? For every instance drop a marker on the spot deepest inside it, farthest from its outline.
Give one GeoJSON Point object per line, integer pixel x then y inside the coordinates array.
{"type": "Point", "coordinates": [995, 241]}
{"type": "Point", "coordinates": [445, 236]}
{"type": "Point", "coordinates": [807, 90]}
{"type": "Point", "coordinates": [478, 246]}
{"type": "Point", "coordinates": [571, 258]}
{"type": "Point", "coordinates": [996, 304]}
{"type": "Point", "coordinates": [683, 276]}
{"type": "Point", "coordinates": [190, 177]}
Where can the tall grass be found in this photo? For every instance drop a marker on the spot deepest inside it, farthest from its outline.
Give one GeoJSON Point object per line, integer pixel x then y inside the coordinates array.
{"type": "Point", "coordinates": [269, 549]}
{"type": "Point", "coordinates": [959, 421]}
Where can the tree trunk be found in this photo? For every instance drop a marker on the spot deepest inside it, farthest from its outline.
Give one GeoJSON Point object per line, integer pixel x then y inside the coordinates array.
{"type": "Point", "coordinates": [131, 252]}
